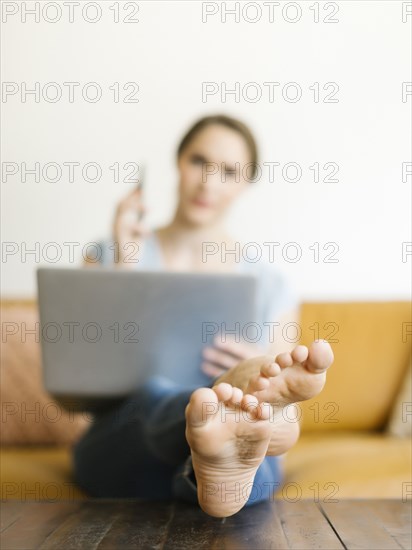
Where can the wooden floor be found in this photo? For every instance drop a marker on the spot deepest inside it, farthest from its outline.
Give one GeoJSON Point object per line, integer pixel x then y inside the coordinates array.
{"type": "Point", "coordinates": [117, 524]}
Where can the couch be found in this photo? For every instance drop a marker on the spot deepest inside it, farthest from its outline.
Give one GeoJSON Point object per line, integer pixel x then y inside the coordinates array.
{"type": "Point", "coordinates": [355, 440]}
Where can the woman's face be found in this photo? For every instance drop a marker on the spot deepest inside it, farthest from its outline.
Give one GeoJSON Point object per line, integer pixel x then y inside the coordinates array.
{"type": "Point", "coordinates": [211, 171]}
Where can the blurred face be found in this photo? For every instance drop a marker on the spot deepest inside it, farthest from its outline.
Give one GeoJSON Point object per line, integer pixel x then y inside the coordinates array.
{"type": "Point", "coordinates": [211, 177]}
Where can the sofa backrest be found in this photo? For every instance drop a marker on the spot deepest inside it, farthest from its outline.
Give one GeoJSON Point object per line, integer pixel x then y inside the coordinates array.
{"type": "Point", "coordinates": [373, 342]}
{"type": "Point", "coordinates": [29, 415]}
{"type": "Point", "coordinates": [372, 350]}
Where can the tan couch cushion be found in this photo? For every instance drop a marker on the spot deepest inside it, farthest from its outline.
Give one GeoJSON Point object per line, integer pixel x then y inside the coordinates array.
{"type": "Point", "coordinates": [338, 465]}
{"type": "Point", "coordinates": [400, 421]}
{"type": "Point", "coordinates": [324, 466]}
{"type": "Point", "coordinates": [28, 412]}
{"type": "Point", "coordinates": [371, 352]}
{"type": "Point", "coordinates": [37, 473]}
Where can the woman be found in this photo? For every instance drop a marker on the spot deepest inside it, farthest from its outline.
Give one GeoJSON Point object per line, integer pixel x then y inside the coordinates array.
{"type": "Point", "coordinates": [218, 446]}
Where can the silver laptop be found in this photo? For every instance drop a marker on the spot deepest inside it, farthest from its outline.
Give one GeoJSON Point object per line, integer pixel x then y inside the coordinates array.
{"type": "Point", "coordinates": [105, 331]}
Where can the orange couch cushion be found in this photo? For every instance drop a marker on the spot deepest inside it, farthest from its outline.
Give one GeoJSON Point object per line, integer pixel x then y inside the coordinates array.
{"type": "Point", "coordinates": [38, 473]}
{"type": "Point", "coordinates": [28, 413]}
{"type": "Point", "coordinates": [339, 465]}
{"type": "Point", "coordinates": [324, 466]}
{"type": "Point", "coordinates": [372, 349]}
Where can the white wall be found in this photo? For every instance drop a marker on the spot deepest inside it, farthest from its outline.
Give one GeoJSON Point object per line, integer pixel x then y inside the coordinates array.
{"type": "Point", "coordinates": [169, 53]}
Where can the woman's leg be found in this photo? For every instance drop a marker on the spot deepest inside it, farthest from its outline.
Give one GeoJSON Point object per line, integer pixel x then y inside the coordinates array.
{"type": "Point", "coordinates": [135, 449]}
{"type": "Point", "coordinates": [267, 481]}
{"type": "Point", "coordinates": [139, 449]}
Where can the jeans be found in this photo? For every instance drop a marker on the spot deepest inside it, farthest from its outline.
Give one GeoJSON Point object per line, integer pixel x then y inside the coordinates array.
{"type": "Point", "coordinates": [138, 449]}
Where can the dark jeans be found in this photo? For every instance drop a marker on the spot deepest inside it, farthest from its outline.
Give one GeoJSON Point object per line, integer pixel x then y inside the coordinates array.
{"type": "Point", "coordinates": [139, 450]}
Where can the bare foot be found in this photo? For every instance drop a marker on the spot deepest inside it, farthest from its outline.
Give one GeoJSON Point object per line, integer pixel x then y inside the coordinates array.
{"type": "Point", "coordinates": [294, 376]}
{"type": "Point", "coordinates": [228, 434]}
{"type": "Point", "coordinates": [290, 378]}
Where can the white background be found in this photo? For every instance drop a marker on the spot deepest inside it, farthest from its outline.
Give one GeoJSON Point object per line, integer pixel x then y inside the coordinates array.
{"type": "Point", "coordinates": [170, 52]}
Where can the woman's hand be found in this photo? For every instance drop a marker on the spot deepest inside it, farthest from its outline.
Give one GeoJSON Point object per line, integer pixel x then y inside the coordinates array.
{"type": "Point", "coordinates": [225, 354]}
{"type": "Point", "coordinates": [128, 229]}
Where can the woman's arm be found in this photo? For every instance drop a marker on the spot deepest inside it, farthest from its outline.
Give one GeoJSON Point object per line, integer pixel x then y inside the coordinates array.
{"type": "Point", "coordinates": [127, 228]}
{"type": "Point", "coordinates": [226, 353]}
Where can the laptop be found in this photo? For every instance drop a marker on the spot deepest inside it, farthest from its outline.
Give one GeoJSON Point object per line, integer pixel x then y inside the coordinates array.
{"type": "Point", "coordinates": [105, 331]}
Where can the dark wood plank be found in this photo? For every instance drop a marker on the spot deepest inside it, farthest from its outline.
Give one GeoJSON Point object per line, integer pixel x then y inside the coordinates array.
{"type": "Point", "coordinates": [363, 524]}
{"type": "Point", "coordinates": [191, 528]}
{"type": "Point", "coordinates": [279, 525]}
{"type": "Point", "coordinates": [106, 524]}
{"type": "Point", "coordinates": [255, 526]}
{"type": "Point", "coordinates": [305, 526]}
{"type": "Point", "coordinates": [138, 525]}
{"type": "Point", "coordinates": [34, 523]}
{"type": "Point", "coordinates": [396, 517]}
{"type": "Point", "coordinates": [269, 525]}
{"type": "Point", "coordinates": [85, 528]}
{"type": "Point", "coordinates": [10, 512]}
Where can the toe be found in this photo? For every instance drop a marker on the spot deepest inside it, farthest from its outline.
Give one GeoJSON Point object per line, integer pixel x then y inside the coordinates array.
{"type": "Point", "coordinates": [300, 354]}
{"type": "Point", "coordinates": [284, 360]}
{"type": "Point", "coordinates": [258, 383]}
{"type": "Point", "coordinates": [270, 370]}
{"type": "Point", "coordinates": [237, 396]}
{"type": "Point", "coordinates": [320, 356]}
{"type": "Point", "coordinates": [255, 410]}
{"type": "Point", "coordinates": [250, 405]}
{"type": "Point", "coordinates": [224, 391]}
{"type": "Point", "coordinates": [202, 406]}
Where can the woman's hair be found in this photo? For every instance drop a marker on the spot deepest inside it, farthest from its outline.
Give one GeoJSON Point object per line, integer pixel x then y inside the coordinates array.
{"type": "Point", "coordinates": [227, 122]}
